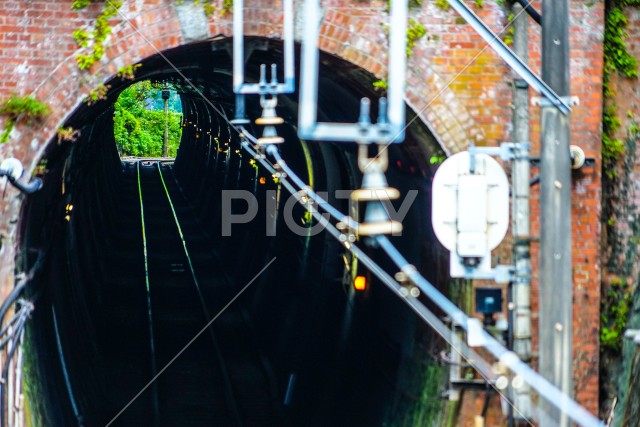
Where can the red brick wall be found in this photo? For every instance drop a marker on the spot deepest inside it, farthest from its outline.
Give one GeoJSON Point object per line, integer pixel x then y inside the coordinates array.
{"type": "Point", "coordinates": [587, 20]}
{"type": "Point", "coordinates": [621, 219]}
{"type": "Point", "coordinates": [455, 83]}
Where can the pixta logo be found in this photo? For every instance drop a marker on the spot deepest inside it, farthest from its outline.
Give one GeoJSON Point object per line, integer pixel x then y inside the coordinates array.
{"type": "Point", "coordinates": [241, 207]}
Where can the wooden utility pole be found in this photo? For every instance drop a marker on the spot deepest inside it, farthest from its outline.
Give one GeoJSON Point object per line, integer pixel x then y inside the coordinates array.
{"type": "Point", "coordinates": [556, 290]}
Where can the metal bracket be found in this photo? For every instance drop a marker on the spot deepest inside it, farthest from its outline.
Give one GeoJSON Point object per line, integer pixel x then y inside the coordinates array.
{"type": "Point", "coordinates": [589, 161]}
{"type": "Point", "coordinates": [262, 88]}
{"type": "Point", "coordinates": [240, 88]}
{"type": "Point", "coordinates": [501, 274]}
{"type": "Point", "coordinates": [507, 151]}
{"type": "Point", "coordinates": [363, 132]}
{"type": "Point", "coordinates": [537, 101]}
{"type": "Point", "coordinates": [633, 334]}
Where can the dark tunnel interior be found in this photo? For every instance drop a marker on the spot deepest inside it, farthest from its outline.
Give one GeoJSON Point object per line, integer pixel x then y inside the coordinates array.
{"type": "Point", "coordinates": [299, 346]}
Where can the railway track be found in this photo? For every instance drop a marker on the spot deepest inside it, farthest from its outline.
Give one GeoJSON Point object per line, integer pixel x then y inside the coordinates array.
{"type": "Point", "coordinates": [222, 378]}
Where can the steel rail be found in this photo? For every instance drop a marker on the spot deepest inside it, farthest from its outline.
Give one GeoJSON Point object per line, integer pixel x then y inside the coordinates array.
{"type": "Point", "coordinates": [230, 395]}
{"type": "Point", "coordinates": [154, 365]}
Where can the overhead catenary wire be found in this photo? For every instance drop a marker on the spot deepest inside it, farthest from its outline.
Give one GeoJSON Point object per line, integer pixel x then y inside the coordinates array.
{"type": "Point", "coordinates": [483, 367]}
{"type": "Point", "coordinates": [590, 420]}
{"type": "Point", "coordinates": [506, 357]}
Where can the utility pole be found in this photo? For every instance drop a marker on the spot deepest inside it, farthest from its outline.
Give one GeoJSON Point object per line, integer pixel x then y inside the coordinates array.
{"type": "Point", "coordinates": [556, 290]}
{"type": "Point", "coordinates": [166, 94]}
{"type": "Point", "coordinates": [520, 320]}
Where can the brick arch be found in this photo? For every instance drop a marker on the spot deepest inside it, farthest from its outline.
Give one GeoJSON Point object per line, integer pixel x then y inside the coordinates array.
{"type": "Point", "coordinates": [353, 34]}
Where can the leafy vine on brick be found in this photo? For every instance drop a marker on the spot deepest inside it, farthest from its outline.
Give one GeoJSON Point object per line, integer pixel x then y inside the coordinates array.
{"type": "Point", "coordinates": [21, 107]}
{"type": "Point", "coordinates": [617, 59]}
{"type": "Point", "coordinates": [98, 35]}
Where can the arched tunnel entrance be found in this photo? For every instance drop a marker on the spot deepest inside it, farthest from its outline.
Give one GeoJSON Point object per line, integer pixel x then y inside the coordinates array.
{"type": "Point", "coordinates": [299, 346]}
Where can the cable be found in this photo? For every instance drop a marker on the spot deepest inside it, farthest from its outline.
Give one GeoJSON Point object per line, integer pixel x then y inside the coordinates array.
{"type": "Point", "coordinates": [506, 357]}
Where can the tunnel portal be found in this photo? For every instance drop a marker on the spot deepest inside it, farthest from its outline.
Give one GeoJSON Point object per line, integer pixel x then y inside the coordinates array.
{"type": "Point", "coordinates": [295, 343]}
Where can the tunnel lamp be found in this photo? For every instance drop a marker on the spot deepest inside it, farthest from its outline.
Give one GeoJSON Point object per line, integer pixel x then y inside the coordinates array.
{"type": "Point", "coordinates": [360, 283]}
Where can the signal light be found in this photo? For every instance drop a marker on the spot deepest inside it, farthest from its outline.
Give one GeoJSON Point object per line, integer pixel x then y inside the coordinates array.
{"type": "Point", "coordinates": [360, 283]}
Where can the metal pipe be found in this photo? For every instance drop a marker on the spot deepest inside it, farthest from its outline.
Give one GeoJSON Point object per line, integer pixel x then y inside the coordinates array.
{"type": "Point", "coordinates": [390, 129]}
{"type": "Point", "coordinates": [239, 85]}
{"type": "Point", "coordinates": [397, 70]}
{"type": "Point", "coordinates": [520, 318]}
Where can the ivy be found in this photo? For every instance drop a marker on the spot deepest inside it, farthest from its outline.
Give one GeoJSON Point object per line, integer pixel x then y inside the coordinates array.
{"type": "Point", "coordinates": [227, 7]}
{"type": "Point", "coordinates": [511, 31]}
{"type": "Point", "coordinates": [616, 59]}
{"type": "Point", "coordinates": [615, 312]}
{"type": "Point", "coordinates": [67, 134]}
{"type": "Point", "coordinates": [98, 94]}
{"type": "Point", "coordinates": [128, 72]}
{"type": "Point", "coordinates": [26, 107]}
{"type": "Point", "coordinates": [100, 32]}
{"type": "Point", "coordinates": [415, 31]}
{"type": "Point", "coordinates": [617, 56]}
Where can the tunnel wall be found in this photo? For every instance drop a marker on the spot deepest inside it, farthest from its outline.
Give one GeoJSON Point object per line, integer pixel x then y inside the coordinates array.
{"type": "Point", "coordinates": [37, 51]}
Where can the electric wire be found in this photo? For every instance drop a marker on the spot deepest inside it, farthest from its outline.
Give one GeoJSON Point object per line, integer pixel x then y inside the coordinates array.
{"type": "Point", "coordinates": [508, 358]}
{"type": "Point", "coordinates": [590, 420]}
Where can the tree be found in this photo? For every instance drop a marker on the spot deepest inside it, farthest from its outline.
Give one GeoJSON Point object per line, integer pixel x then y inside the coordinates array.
{"type": "Point", "coordinates": [139, 128]}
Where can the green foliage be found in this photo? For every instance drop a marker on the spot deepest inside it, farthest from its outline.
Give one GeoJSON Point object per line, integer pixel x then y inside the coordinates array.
{"type": "Point", "coordinates": [139, 131]}
{"type": "Point", "coordinates": [616, 304]}
{"type": "Point", "coordinates": [209, 9]}
{"type": "Point", "coordinates": [26, 107]}
{"type": "Point", "coordinates": [442, 4]}
{"type": "Point", "coordinates": [612, 147]}
{"type": "Point", "coordinates": [67, 134]}
{"type": "Point", "coordinates": [100, 32]}
{"type": "Point", "coordinates": [616, 59]}
{"type": "Point", "coordinates": [80, 4]}
{"type": "Point", "coordinates": [415, 31]}
{"type": "Point", "coordinates": [511, 31]}
{"type": "Point", "coordinates": [81, 37]}
{"type": "Point", "coordinates": [437, 159]}
{"type": "Point", "coordinates": [227, 7]}
{"type": "Point", "coordinates": [479, 4]}
{"type": "Point", "coordinates": [98, 94]}
{"type": "Point", "coordinates": [381, 84]}
{"type": "Point", "coordinates": [617, 56]}
{"type": "Point", "coordinates": [128, 72]}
